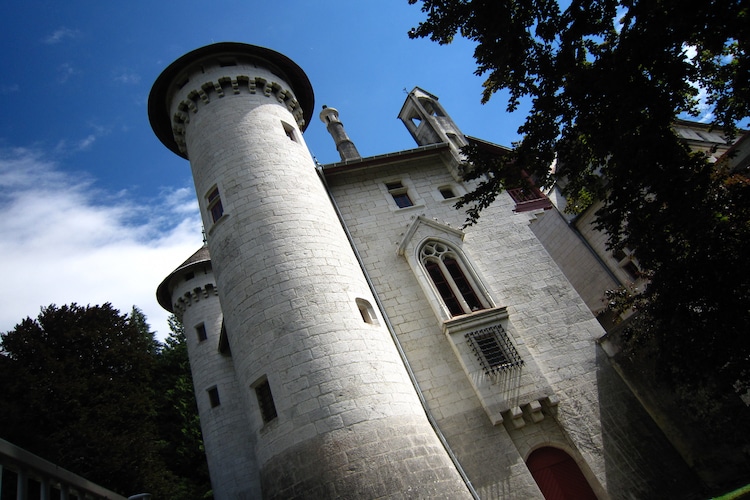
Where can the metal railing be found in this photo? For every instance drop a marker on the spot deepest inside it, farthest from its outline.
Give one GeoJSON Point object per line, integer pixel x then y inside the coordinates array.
{"type": "Point", "coordinates": [24, 475]}
{"type": "Point", "coordinates": [529, 198]}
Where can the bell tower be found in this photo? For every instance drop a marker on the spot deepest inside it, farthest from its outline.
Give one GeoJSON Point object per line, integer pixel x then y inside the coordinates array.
{"type": "Point", "coordinates": [427, 121]}
{"type": "Point", "coordinates": [327, 399]}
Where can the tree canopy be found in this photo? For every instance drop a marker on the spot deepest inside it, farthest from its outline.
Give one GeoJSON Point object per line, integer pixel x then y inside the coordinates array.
{"type": "Point", "coordinates": [91, 390]}
{"type": "Point", "coordinates": [606, 80]}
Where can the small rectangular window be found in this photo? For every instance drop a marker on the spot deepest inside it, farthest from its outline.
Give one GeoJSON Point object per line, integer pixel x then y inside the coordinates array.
{"type": "Point", "coordinates": [214, 204]}
{"type": "Point", "coordinates": [213, 397]}
{"type": "Point", "coordinates": [201, 331]}
{"type": "Point", "coordinates": [625, 259]}
{"type": "Point", "coordinates": [619, 254]}
{"type": "Point", "coordinates": [265, 401]}
{"type": "Point", "coordinates": [400, 194]}
{"type": "Point", "coordinates": [289, 131]}
{"type": "Point", "coordinates": [447, 193]}
{"type": "Point", "coordinates": [189, 276]}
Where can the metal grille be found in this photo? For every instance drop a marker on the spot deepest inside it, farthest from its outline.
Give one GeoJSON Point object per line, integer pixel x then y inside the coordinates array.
{"type": "Point", "coordinates": [493, 349]}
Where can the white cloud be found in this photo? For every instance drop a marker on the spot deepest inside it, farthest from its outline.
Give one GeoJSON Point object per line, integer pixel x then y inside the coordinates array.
{"type": "Point", "coordinates": [60, 244]}
{"type": "Point", "coordinates": [9, 89]}
{"type": "Point", "coordinates": [61, 34]}
{"type": "Point", "coordinates": [64, 72]}
{"type": "Point", "coordinates": [86, 143]}
{"type": "Point", "coordinates": [127, 77]}
{"type": "Point", "coordinates": [704, 111]}
{"type": "Point", "coordinates": [65, 147]}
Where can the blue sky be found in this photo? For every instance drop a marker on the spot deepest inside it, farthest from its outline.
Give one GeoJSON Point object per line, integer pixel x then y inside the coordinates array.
{"type": "Point", "coordinates": [95, 208]}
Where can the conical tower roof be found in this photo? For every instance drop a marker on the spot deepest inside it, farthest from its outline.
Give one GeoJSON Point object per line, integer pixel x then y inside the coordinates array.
{"type": "Point", "coordinates": [164, 291]}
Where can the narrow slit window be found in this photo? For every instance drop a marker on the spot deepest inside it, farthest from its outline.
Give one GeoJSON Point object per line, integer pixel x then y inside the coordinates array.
{"type": "Point", "coordinates": [224, 347]}
{"type": "Point", "coordinates": [400, 194]}
{"type": "Point", "coordinates": [213, 397]}
{"type": "Point", "coordinates": [289, 131]}
{"type": "Point", "coordinates": [367, 312]}
{"type": "Point", "coordinates": [215, 208]}
{"type": "Point", "coordinates": [200, 330]}
{"type": "Point", "coordinates": [265, 401]}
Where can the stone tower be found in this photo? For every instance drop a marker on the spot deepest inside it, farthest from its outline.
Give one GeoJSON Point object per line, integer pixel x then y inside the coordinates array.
{"type": "Point", "coordinates": [190, 293]}
{"type": "Point", "coordinates": [326, 400]}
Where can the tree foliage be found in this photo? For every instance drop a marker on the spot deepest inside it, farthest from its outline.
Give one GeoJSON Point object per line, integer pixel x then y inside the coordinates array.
{"type": "Point", "coordinates": [606, 80]}
{"type": "Point", "coordinates": [181, 441]}
{"type": "Point", "coordinates": [88, 389]}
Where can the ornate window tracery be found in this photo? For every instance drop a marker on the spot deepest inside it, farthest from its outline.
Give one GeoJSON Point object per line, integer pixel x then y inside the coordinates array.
{"type": "Point", "coordinates": [451, 279]}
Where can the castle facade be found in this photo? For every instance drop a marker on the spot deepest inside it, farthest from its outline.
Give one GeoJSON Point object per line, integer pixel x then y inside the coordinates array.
{"type": "Point", "coordinates": [348, 338]}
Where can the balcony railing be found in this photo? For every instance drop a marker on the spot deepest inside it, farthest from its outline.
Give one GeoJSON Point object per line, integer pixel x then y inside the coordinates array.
{"type": "Point", "coordinates": [529, 198]}
{"type": "Point", "coordinates": [24, 475]}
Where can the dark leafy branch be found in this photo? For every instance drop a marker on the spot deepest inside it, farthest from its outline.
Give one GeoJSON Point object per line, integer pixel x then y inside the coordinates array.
{"type": "Point", "coordinates": [606, 80]}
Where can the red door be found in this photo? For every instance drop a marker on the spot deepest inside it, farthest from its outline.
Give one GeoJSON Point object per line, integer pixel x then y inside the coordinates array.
{"type": "Point", "coordinates": [558, 476]}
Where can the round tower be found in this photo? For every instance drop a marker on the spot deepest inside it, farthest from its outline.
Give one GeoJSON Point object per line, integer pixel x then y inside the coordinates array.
{"type": "Point", "coordinates": [331, 408]}
{"type": "Point", "coordinates": [189, 292]}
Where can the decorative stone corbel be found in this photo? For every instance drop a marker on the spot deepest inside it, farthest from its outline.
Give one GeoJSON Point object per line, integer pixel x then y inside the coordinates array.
{"type": "Point", "coordinates": [516, 417]}
{"type": "Point", "coordinates": [534, 411]}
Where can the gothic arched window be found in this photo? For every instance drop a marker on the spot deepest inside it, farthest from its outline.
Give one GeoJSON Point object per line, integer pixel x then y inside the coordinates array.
{"type": "Point", "coordinates": [451, 279]}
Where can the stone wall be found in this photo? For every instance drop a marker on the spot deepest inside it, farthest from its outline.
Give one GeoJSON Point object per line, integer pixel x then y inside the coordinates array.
{"type": "Point", "coordinates": [547, 320]}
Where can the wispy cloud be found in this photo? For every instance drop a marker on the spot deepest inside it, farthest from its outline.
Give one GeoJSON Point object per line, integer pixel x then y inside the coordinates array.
{"type": "Point", "coordinates": [64, 72]}
{"type": "Point", "coordinates": [127, 77]}
{"type": "Point", "coordinates": [86, 143]}
{"type": "Point", "coordinates": [61, 34]}
{"type": "Point", "coordinates": [9, 88]}
{"type": "Point", "coordinates": [65, 146]}
{"type": "Point", "coordinates": [60, 243]}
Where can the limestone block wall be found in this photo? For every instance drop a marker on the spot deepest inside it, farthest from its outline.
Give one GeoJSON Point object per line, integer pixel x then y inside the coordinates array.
{"type": "Point", "coordinates": [348, 421]}
{"type": "Point", "coordinates": [581, 266]}
{"type": "Point", "coordinates": [545, 315]}
{"type": "Point", "coordinates": [597, 241]}
{"type": "Point", "coordinates": [230, 448]}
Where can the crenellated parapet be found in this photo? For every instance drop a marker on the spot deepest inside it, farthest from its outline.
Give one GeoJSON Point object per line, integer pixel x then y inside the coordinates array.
{"type": "Point", "coordinates": [192, 296]}
{"type": "Point", "coordinates": [220, 71]}
{"type": "Point", "coordinates": [199, 97]}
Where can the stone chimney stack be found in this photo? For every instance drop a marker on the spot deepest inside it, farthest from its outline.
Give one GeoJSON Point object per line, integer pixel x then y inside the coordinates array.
{"type": "Point", "coordinates": [346, 148]}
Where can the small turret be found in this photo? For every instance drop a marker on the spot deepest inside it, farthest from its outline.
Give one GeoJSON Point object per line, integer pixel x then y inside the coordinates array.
{"type": "Point", "coordinates": [190, 293]}
{"type": "Point", "coordinates": [428, 123]}
{"type": "Point", "coordinates": [344, 145]}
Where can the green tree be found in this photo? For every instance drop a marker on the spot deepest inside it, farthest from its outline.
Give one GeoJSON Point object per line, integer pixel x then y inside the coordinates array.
{"type": "Point", "coordinates": [78, 389]}
{"type": "Point", "coordinates": [606, 80]}
{"type": "Point", "coordinates": [179, 425]}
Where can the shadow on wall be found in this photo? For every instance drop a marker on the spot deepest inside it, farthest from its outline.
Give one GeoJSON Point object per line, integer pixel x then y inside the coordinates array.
{"type": "Point", "coordinates": [640, 461]}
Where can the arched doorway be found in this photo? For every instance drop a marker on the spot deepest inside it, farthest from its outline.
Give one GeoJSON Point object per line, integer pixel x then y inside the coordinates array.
{"type": "Point", "coordinates": [558, 475]}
